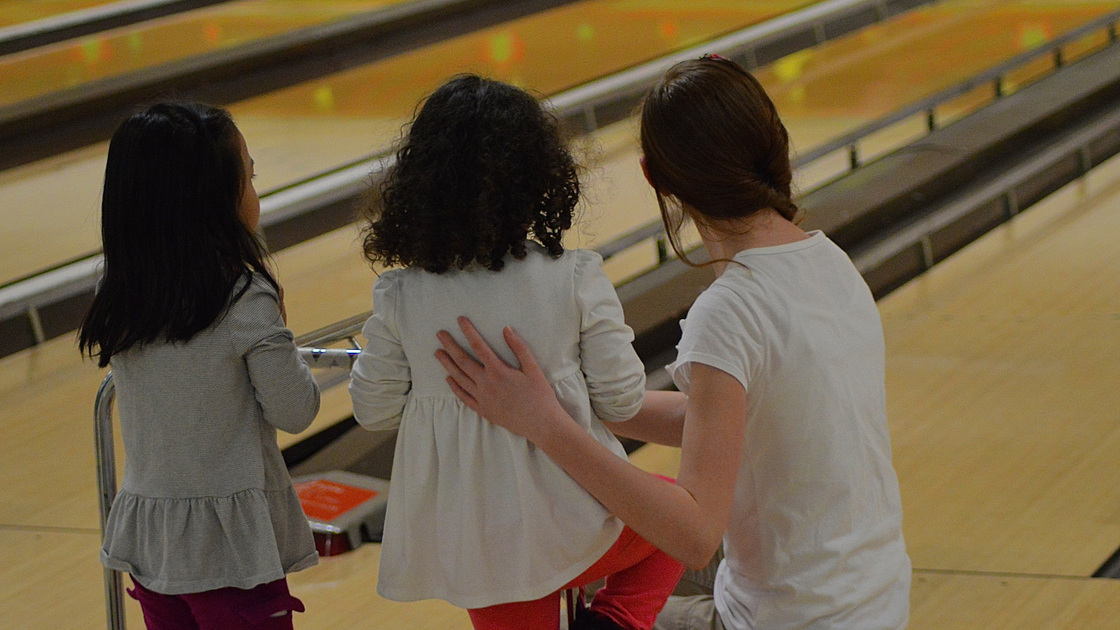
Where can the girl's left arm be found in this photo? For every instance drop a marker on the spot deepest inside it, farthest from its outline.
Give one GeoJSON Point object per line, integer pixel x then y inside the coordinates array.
{"type": "Point", "coordinates": [381, 378]}
{"type": "Point", "coordinates": [686, 520]}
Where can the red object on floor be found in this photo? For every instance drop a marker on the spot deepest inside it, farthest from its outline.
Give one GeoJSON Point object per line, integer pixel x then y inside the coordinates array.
{"type": "Point", "coordinates": [343, 508]}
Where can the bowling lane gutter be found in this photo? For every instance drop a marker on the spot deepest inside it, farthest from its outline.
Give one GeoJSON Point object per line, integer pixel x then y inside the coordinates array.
{"type": "Point", "coordinates": [44, 306]}
{"type": "Point", "coordinates": [76, 117]}
{"type": "Point", "coordinates": [66, 26]}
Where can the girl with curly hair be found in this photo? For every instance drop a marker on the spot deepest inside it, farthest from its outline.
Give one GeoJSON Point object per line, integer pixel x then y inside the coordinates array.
{"type": "Point", "coordinates": [473, 212]}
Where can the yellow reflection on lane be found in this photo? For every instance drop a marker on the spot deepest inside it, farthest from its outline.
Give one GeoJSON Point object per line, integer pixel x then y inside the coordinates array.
{"type": "Point", "coordinates": [14, 12]}
{"type": "Point", "coordinates": [826, 92]}
{"type": "Point", "coordinates": [117, 52]}
{"type": "Point", "coordinates": [315, 126]}
{"type": "Point", "coordinates": [321, 124]}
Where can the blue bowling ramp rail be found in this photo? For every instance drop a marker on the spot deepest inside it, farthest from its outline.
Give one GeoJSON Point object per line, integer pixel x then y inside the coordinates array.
{"type": "Point", "coordinates": [335, 362]}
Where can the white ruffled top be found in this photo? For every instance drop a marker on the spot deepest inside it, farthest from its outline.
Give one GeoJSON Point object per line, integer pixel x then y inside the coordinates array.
{"type": "Point", "coordinates": [478, 516]}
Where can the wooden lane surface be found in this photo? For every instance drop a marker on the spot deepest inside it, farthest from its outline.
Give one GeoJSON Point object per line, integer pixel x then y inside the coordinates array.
{"type": "Point", "coordinates": [1007, 489]}
{"type": "Point", "coordinates": [955, 601]}
{"type": "Point", "coordinates": [47, 396]}
{"type": "Point", "coordinates": [13, 12]}
{"type": "Point", "coordinates": [116, 52]}
{"type": "Point", "coordinates": [309, 128]}
{"type": "Point", "coordinates": [1002, 389]}
{"type": "Point", "coordinates": [312, 127]}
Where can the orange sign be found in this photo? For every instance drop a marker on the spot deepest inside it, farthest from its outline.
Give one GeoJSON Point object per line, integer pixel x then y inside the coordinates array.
{"type": "Point", "coordinates": [325, 500]}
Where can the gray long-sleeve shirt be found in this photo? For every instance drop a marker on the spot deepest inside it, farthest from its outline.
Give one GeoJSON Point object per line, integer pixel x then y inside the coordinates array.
{"type": "Point", "coordinates": [206, 501]}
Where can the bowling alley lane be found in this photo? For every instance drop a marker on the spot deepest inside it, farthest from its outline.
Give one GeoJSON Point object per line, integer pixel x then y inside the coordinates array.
{"type": "Point", "coordinates": [13, 12]}
{"type": "Point", "coordinates": [318, 125]}
{"type": "Point", "coordinates": [821, 93]}
{"type": "Point", "coordinates": [828, 91]}
{"type": "Point", "coordinates": [176, 37]}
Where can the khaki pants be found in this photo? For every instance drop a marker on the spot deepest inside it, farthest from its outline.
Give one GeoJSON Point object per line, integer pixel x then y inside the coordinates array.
{"type": "Point", "coordinates": [689, 612]}
{"type": "Point", "coordinates": [692, 606]}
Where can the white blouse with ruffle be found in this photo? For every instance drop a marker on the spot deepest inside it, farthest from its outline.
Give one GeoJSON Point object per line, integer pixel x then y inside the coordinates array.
{"type": "Point", "coordinates": [478, 516]}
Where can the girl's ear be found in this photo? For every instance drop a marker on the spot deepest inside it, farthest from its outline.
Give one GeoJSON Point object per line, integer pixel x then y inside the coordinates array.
{"type": "Point", "coordinates": [645, 171]}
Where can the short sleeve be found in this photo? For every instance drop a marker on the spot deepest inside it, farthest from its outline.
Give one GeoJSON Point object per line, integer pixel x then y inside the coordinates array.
{"type": "Point", "coordinates": [381, 378]}
{"type": "Point", "coordinates": [282, 383]}
{"type": "Point", "coordinates": [614, 374]}
{"type": "Point", "coordinates": [718, 332]}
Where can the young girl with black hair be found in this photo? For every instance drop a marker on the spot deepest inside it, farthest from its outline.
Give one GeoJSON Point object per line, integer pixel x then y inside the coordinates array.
{"type": "Point", "coordinates": [785, 453]}
{"type": "Point", "coordinates": [192, 324]}
{"type": "Point", "coordinates": [474, 210]}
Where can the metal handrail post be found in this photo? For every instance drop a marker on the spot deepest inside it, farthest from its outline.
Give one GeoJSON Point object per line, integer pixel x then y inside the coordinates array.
{"type": "Point", "coordinates": [107, 491]}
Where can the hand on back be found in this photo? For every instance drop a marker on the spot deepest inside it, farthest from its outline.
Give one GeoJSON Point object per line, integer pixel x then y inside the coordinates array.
{"type": "Point", "coordinates": [519, 400]}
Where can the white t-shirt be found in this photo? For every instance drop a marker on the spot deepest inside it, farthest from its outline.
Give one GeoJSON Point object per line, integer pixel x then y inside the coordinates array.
{"type": "Point", "coordinates": [478, 516]}
{"type": "Point", "coordinates": [815, 536]}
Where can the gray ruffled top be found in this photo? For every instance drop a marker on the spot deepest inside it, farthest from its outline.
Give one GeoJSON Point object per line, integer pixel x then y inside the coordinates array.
{"type": "Point", "coordinates": [206, 501]}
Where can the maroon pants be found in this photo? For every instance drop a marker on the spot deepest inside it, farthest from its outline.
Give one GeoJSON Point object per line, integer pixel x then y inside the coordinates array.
{"type": "Point", "coordinates": [265, 607]}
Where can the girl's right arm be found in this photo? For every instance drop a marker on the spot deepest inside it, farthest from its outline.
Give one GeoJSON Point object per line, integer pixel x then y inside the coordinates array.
{"type": "Point", "coordinates": [381, 378]}
{"type": "Point", "coordinates": [282, 383]}
{"type": "Point", "coordinates": [686, 520]}
{"type": "Point", "coordinates": [660, 420]}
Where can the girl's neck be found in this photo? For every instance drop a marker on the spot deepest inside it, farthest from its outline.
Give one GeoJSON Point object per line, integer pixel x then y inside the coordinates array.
{"type": "Point", "coordinates": [767, 228]}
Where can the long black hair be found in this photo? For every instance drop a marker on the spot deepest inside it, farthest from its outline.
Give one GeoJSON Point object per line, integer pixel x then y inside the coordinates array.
{"type": "Point", "coordinates": [483, 166]}
{"type": "Point", "coordinates": [173, 239]}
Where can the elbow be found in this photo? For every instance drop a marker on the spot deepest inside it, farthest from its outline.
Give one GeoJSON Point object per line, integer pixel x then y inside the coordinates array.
{"type": "Point", "coordinates": [702, 549]}
{"type": "Point", "coordinates": [297, 416]}
{"type": "Point", "coordinates": [376, 422]}
{"type": "Point", "coordinates": [376, 417]}
{"type": "Point", "coordinates": [378, 406]}
{"type": "Point", "coordinates": [617, 411]}
{"type": "Point", "coordinates": [697, 562]}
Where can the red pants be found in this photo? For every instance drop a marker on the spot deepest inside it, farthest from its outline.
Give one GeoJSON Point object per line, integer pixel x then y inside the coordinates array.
{"type": "Point", "coordinates": [640, 578]}
{"type": "Point", "coordinates": [265, 607]}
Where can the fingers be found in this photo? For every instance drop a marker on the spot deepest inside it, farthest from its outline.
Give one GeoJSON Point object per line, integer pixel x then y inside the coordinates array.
{"type": "Point", "coordinates": [457, 356]}
{"type": "Point", "coordinates": [481, 349]}
{"type": "Point", "coordinates": [470, 401]}
{"type": "Point", "coordinates": [454, 374]}
{"type": "Point", "coordinates": [521, 351]}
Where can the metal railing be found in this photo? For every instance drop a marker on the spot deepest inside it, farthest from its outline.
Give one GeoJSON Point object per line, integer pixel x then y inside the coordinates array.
{"type": "Point", "coordinates": [928, 239]}
{"type": "Point", "coordinates": [994, 76]}
{"type": "Point", "coordinates": [587, 108]}
{"type": "Point", "coordinates": [589, 105]}
{"type": "Point", "coordinates": [337, 360]}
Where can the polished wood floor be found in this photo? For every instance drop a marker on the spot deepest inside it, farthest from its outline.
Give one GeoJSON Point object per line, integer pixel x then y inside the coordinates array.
{"type": "Point", "coordinates": [313, 127]}
{"type": "Point", "coordinates": [1001, 393]}
{"type": "Point", "coordinates": [113, 53]}
{"type": "Point", "coordinates": [1002, 403]}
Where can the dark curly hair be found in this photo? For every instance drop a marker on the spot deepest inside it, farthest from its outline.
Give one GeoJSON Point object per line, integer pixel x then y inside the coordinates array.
{"type": "Point", "coordinates": [482, 168]}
